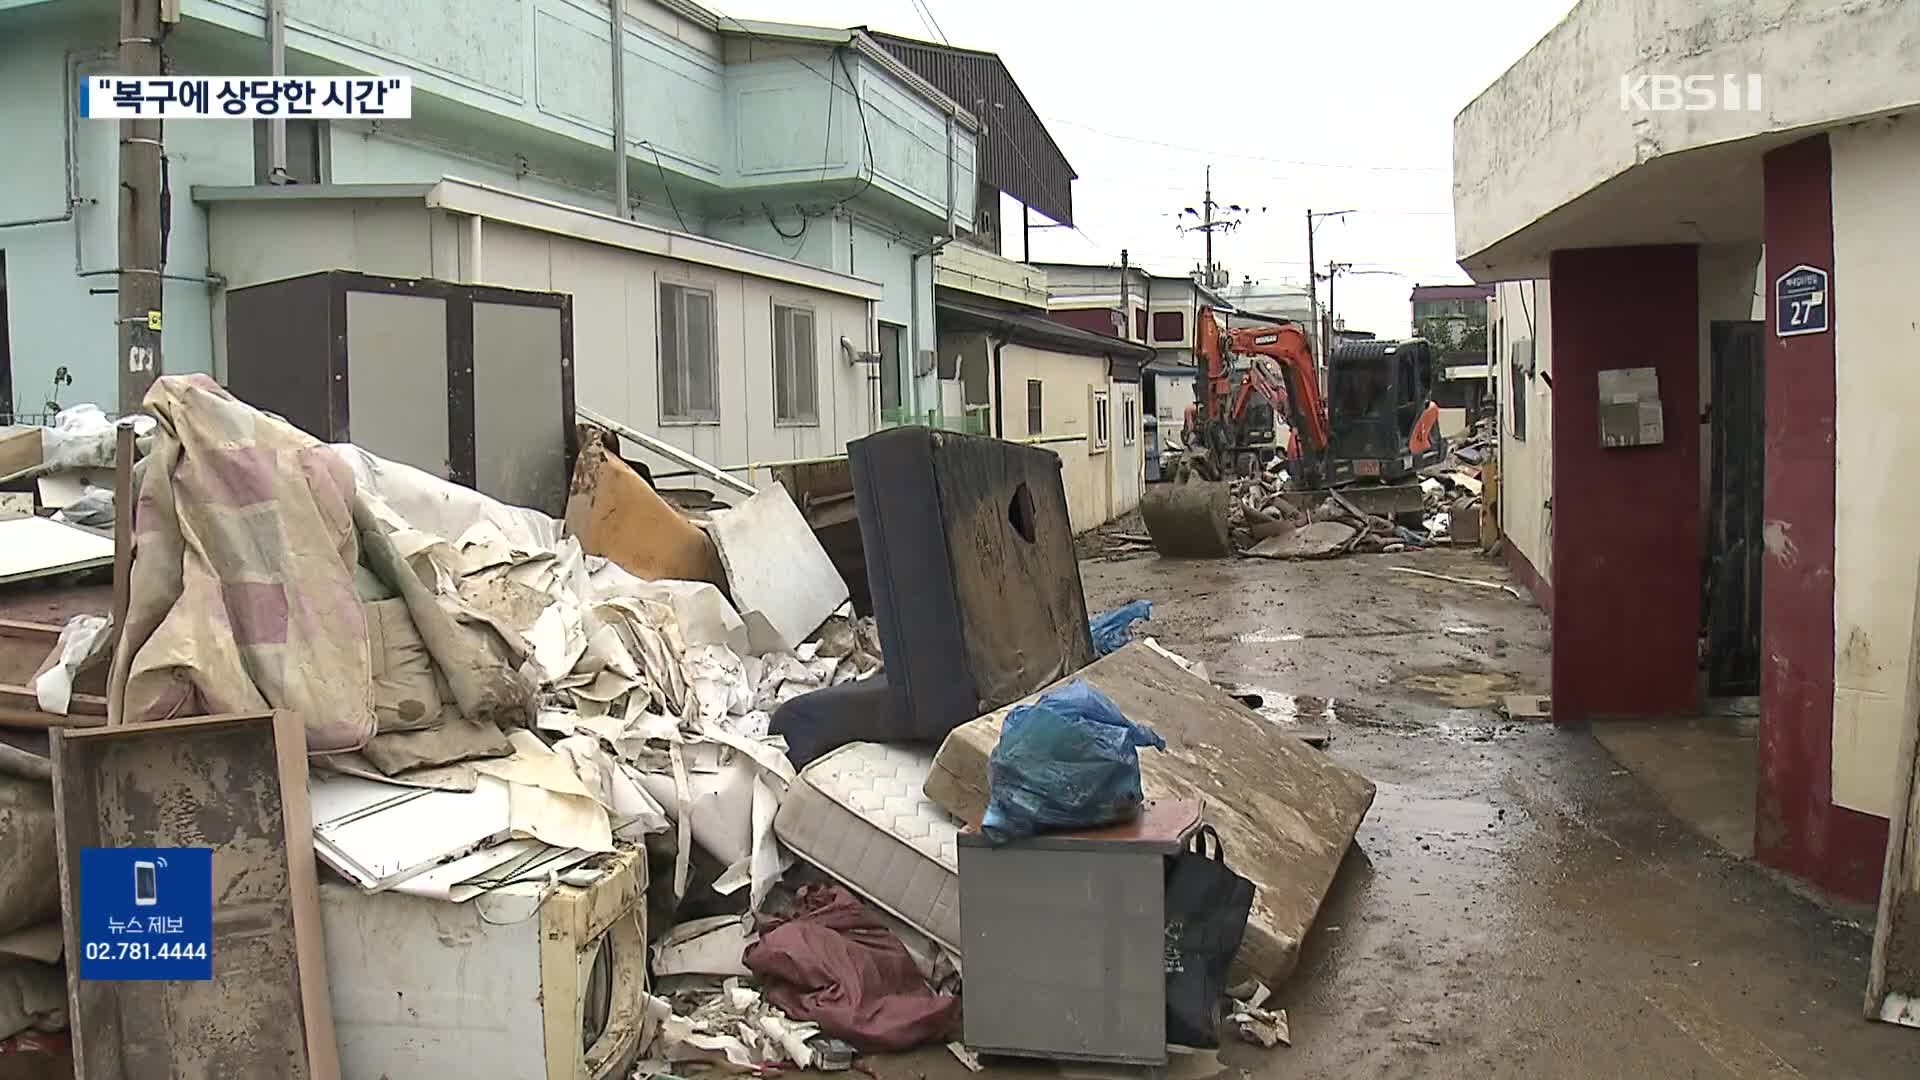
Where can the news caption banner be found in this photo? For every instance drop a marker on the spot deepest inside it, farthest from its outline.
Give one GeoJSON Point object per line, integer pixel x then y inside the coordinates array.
{"type": "Point", "coordinates": [146, 914]}
{"type": "Point", "coordinates": [212, 97]}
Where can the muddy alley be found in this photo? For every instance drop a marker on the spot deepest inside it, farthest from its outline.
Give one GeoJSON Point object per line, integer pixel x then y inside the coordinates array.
{"type": "Point", "coordinates": [1517, 904]}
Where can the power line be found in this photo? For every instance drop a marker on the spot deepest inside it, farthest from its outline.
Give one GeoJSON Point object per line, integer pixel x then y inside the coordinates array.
{"type": "Point", "coordinates": [926, 16]}
{"type": "Point", "coordinates": [1251, 157]}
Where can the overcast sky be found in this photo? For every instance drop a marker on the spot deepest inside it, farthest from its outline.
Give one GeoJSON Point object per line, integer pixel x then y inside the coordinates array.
{"type": "Point", "coordinates": [1330, 106]}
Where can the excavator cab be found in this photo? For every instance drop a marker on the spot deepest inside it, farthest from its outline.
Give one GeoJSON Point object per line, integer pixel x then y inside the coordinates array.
{"type": "Point", "coordinates": [1382, 421]}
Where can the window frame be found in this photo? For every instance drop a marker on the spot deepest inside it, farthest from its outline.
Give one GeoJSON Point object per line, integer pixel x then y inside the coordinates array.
{"type": "Point", "coordinates": [1100, 420]}
{"type": "Point", "coordinates": [1129, 419]}
{"type": "Point", "coordinates": [899, 336]}
{"type": "Point", "coordinates": [1179, 336]}
{"type": "Point", "coordinates": [1036, 407]}
{"type": "Point", "coordinates": [678, 309]}
{"type": "Point", "coordinates": [781, 332]}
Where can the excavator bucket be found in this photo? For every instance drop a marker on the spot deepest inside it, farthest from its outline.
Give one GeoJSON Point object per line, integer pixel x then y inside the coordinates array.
{"type": "Point", "coordinates": [1188, 519]}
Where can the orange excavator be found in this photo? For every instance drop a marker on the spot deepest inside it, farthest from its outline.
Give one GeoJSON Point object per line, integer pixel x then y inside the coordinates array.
{"type": "Point", "coordinates": [1380, 426]}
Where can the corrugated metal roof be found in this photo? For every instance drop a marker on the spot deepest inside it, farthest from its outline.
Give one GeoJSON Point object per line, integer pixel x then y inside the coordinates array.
{"type": "Point", "coordinates": [1017, 155]}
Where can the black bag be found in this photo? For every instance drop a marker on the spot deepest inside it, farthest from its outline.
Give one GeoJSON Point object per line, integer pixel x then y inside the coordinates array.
{"type": "Point", "coordinates": [1207, 908]}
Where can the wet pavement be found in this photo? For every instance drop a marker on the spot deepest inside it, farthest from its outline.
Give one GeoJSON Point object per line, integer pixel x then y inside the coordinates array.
{"type": "Point", "coordinates": [1516, 904]}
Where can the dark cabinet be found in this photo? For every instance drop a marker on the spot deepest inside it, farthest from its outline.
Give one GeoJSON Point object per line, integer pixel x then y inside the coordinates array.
{"type": "Point", "coordinates": [467, 382]}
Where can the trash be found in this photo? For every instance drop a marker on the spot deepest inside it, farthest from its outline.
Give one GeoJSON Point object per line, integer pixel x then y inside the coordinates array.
{"type": "Point", "coordinates": [1261, 1027]}
{"type": "Point", "coordinates": [779, 576]}
{"type": "Point", "coordinates": [1111, 628]}
{"type": "Point", "coordinates": [1526, 706]}
{"type": "Point", "coordinates": [1475, 582]}
{"type": "Point", "coordinates": [81, 437]}
{"type": "Point", "coordinates": [859, 813]}
{"type": "Point", "coordinates": [735, 1029]}
{"type": "Point", "coordinates": [1463, 521]}
{"type": "Point", "coordinates": [616, 514]}
{"type": "Point", "coordinates": [1288, 811]}
{"type": "Point", "coordinates": [236, 785]}
{"type": "Point", "coordinates": [20, 449]}
{"type": "Point", "coordinates": [37, 547]}
{"type": "Point", "coordinates": [831, 1055]}
{"type": "Point", "coordinates": [965, 1057]}
{"type": "Point", "coordinates": [377, 834]}
{"type": "Point", "coordinates": [710, 946]}
{"type": "Point", "coordinates": [1078, 917]}
{"type": "Point", "coordinates": [33, 996]}
{"type": "Point", "coordinates": [1317, 540]}
{"type": "Point", "coordinates": [970, 555]}
{"type": "Point", "coordinates": [1069, 760]}
{"type": "Point", "coordinates": [1206, 912]}
{"type": "Point", "coordinates": [546, 798]}
{"type": "Point", "coordinates": [832, 962]}
{"type": "Point", "coordinates": [83, 641]}
{"type": "Point", "coordinates": [821, 722]}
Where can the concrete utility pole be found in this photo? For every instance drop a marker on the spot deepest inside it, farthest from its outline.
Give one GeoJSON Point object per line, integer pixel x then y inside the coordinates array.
{"type": "Point", "coordinates": [141, 216]}
{"type": "Point", "coordinates": [1313, 292]}
{"type": "Point", "coordinates": [616, 17]}
{"type": "Point", "coordinates": [1212, 222]}
{"type": "Point", "coordinates": [1207, 209]}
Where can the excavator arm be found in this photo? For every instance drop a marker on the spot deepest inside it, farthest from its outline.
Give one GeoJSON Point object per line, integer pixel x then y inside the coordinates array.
{"type": "Point", "coordinates": [1286, 345]}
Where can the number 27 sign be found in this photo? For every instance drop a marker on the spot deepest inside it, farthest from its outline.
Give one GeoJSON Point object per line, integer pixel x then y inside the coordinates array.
{"type": "Point", "coordinates": [1801, 302]}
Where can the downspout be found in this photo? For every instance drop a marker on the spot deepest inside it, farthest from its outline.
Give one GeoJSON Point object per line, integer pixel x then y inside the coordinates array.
{"type": "Point", "coordinates": [913, 290]}
{"type": "Point", "coordinates": [999, 387]}
{"type": "Point", "coordinates": [616, 18]}
{"type": "Point", "coordinates": [950, 177]}
{"type": "Point", "coordinates": [277, 64]}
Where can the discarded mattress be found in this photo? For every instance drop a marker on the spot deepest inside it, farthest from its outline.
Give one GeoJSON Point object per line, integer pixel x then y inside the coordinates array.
{"type": "Point", "coordinates": [1285, 812]}
{"type": "Point", "coordinates": [860, 814]}
{"type": "Point", "coordinates": [976, 587]}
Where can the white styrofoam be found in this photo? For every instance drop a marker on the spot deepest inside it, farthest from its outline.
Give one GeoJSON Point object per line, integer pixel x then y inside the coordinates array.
{"type": "Point", "coordinates": [782, 581]}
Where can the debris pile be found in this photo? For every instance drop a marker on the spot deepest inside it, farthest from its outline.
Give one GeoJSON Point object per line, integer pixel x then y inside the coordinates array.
{"type": "Point", "coordinates": [646, 767]}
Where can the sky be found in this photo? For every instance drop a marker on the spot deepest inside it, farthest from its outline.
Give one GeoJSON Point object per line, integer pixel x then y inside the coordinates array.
{"type": "Point", "coordinates": [1346, 105]}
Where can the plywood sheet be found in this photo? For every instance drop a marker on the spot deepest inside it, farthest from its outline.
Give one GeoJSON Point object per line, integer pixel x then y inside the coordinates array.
{"type": "Point", "coordinates": [32, 547]}
{"type": "Point", "coordinates": [236, 784]}
{"type": "Point", "coordinates": [1285, 811]}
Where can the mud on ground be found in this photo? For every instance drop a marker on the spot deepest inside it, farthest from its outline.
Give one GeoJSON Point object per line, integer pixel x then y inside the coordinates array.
{"type": "Point", "coordinates": [1516, 904]}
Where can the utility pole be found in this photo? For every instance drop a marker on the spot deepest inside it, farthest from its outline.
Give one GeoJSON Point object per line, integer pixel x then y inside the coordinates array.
{"type": "Point", "coordinates": [1207, 228]}
{"type": "Point", "coordinates": [142, 215]}
{"type": "Point", "coordinates": [1313, 293]}
{"type": "Point", "coordinates": [616, 15]}
{"type": "Point", "coordinates": [1212, 222]}
{"type": "Point", "coordinates": [1334, 270]}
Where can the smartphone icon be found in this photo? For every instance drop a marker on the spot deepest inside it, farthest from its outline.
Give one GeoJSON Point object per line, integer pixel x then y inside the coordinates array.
{"type": "Point", "coordinates": [146, 884]}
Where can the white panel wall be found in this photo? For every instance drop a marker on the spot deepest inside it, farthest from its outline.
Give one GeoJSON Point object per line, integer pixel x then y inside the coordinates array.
{"type": "Point", "coordinates": [1876, 250]}
{"type": "Point", "coordinates": [1067, 382]}
{"type": "Point", "coordinates": [1520, 312]}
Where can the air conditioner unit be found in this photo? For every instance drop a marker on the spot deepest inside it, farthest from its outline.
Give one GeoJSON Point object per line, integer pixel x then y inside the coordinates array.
{"type": "Point", "coordinates": [510, 984]}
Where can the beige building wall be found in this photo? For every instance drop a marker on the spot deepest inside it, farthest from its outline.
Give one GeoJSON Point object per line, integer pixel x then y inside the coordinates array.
{"type": "Point", "coordinates": [1876, 238]}
{"type": "Point", "coordinates": [1520, 320]}
{"type": "Point", "coordinates": [1101, 483]}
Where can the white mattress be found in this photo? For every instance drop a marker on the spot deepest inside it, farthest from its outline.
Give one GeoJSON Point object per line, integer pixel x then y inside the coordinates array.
{"type": "Point", "coordinates": [860, 815]}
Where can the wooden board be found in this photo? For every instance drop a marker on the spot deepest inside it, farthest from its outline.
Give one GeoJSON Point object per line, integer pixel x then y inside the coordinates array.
{"type": "Point", "coordinates": [1285, 811]}
{"type": "Point", "coordinates": [616, 514]}
{"type": "Point", "coordinates": [236, 784]}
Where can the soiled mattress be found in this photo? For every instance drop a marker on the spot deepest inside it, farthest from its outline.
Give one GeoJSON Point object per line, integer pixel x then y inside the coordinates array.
{"type": "Point", "coordinates": [861, 815]}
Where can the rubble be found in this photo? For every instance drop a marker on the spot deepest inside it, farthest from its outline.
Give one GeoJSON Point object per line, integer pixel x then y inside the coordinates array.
{"type": "Point", "coordinates": [510, 716]}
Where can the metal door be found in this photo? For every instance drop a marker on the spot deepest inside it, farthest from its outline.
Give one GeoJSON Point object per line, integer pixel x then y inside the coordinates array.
{"type": "Point", "coordinates": [1737, 481]}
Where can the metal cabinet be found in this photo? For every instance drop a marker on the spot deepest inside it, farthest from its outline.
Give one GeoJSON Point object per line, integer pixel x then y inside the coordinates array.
{"type": "Point", "coordinates": [467, 382]}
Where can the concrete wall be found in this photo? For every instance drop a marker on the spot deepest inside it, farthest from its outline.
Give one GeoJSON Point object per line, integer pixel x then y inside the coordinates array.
{"type": "Point", "coordinates": [1876, 260]}
{"type": "Point", "coordinates": [1553, 128]}
{"type": "Point", "coordinates": [1127, 464]}
{"type": "Point", "coordinates": [1523, 312]}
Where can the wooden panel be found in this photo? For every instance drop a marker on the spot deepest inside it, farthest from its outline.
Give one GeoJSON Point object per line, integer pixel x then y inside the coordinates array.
{"type": "Point", "coordinates": [236, 784]}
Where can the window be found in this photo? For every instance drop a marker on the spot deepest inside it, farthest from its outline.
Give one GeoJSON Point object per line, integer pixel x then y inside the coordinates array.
{"type": "Point", "coordinates": [687, 362]}
{"type": "Point", "coordinates": [1129, 419]}
{"type": "Point", "coordinates": [796, 386]}
{"type": "Point", "coordinates": [1517, 389]}
{"type": "Point", "coordinates": [1100, 429]}
{"type": "Point", "coordinates": [892, 345]}
{"type": "Point", "coordinates": [1140, 323]}
{"type": "Point", "coordinates": [1034, 426]}
{"type": "Point", "coordinates": [306, 152]}
{"type": "Point", "coordinates": [1169, 326]}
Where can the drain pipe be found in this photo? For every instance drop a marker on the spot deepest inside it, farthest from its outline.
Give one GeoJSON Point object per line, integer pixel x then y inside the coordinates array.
{"type": "Point", "coordinates": [616, 18]}
{"type": "Point", "coordinates": [999, 388]}
{"type": "Point", "coordinates": [277, 64]}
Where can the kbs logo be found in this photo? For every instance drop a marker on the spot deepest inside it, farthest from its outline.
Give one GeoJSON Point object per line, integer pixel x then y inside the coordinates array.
{"type": "Point", "coordinates": [1691, 93]}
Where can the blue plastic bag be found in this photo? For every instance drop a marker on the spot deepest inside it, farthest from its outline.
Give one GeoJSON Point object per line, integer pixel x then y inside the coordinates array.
{"type": "Point", "coordinates": [1067, 761]}
{"type": "Point", "coordinates": [1110, 627]}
